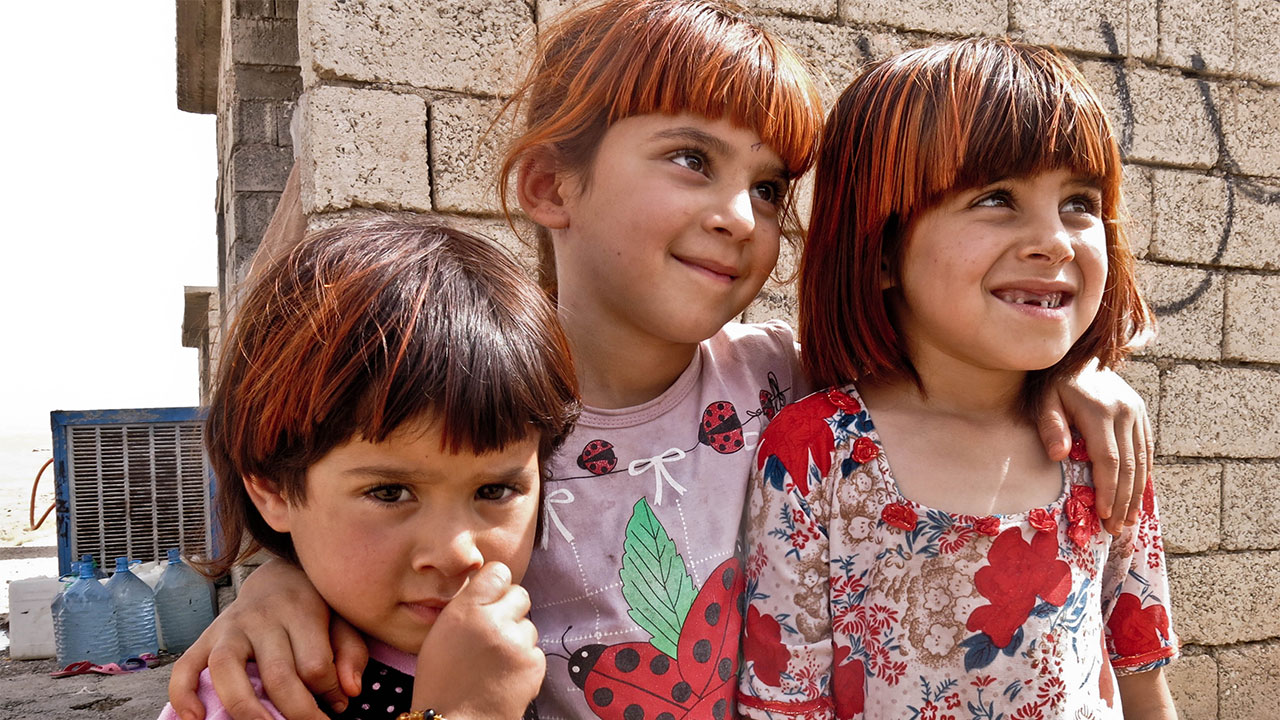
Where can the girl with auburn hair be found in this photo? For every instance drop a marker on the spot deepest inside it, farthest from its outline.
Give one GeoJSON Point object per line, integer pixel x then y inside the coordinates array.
{"type": "Point", "coordinates": [932, 561]}
{"type": "Point", "coordinates": [660, 139]}
{"type": "Point", "coordinates": [389, 396]}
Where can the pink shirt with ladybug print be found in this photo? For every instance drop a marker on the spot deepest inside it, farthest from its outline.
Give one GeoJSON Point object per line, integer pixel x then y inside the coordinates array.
{"type": "Point", "coordinates": [864, 604]}
{"type": "Point", "coordinates": [637, 580]}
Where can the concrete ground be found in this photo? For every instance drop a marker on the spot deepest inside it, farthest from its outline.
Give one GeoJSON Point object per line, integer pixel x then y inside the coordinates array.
{"type": "Point", "coordinates": [28, 693]}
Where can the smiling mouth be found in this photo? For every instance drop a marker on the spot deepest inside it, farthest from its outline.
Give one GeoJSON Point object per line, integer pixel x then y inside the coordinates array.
{"type": "Point", "coordinates": [1048, 300]}
{"type": "Point", "coordinates": [710, 269]}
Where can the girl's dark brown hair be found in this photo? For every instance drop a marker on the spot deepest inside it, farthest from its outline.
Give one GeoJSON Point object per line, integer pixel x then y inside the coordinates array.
{"type": "Point", "coordinates": [362, 328]}
{"type": "Point", "coordinates": [619, 58]}
{"type": "Point", "coordinates": [909, 131]}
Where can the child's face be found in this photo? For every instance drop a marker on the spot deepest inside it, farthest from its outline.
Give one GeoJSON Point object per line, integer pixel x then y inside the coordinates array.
{"type": "Point", "coordinates": [978, 270]}
{"type": "Point", "coordinates": [673, 231]}
{"type": "Point", "coordinates": [389, 532]}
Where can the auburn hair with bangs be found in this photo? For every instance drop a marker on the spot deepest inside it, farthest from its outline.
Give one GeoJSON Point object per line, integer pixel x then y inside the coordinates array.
{"type": "Point", "coordinates": [619, 58]}
{"type": "Point", "coordinates": [362, 328]}
{"type": "Point", "coordinates": [904, 135]}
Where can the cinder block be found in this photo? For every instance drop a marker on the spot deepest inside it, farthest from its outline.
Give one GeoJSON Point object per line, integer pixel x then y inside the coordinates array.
{"type": "Point", "coordinates": [1198, 33]}
{"type": "Point", "coordinates": [364, 148]}
{"type": "Point", "coordinates": [465, 157]}
{"type": "Point", "coordinates": [1257, 24]}
{"type": "Point", "coordinates": [1190, 216]}
{"type": "Point", "coordinates": [264, 41]}
{"type": "Point", "coordinates": [950, 17]}
{"type": "Point", "coordinates": [259, 168]}
{"type": "Point", "coordinates": [287, 9]}
{"type": "Point", "coordinates": [1255, 234]}
{"type": "Point", "coordinates": [1249, 684]}
{"type": "Point", "coordinates": [1193, 682]}
{"type": "Point", "coordinates": [1251, 507]}
{"type": "Point", "coordinates": [1099, 27]}
{"type": "Point", "coordinates": [1138, 204]}
{"type": "Point", "coordinates": [777, 299]}
{"type": "Point", "coordinates": [1252, 130]}
{"type": "Point", "coordinates": [835, 52]}
{"type": "Point", "coordinates": [1221, 599]}
{"type": "Point", "coordinates": [284, 117]}
{"type": "Point", "coordinates": [1253, 314]}
{"type": "Point", "coordinates": [476, 47]}
{"type": "Point", "coordinates": [520, 245]}
{"type": "Point", "coordinates": [1144, 377]}
{"type": "Point", "coordinates": [248, 82]}
{"type": "Point", "coordinates": [253, 122]}
{"type": "Point", "coordinates": [1219, 412]}
{"type": "Point", "coordinates": [253, 8]}
{"type": "Point", "coordinates": [1155, 113]}
{"type": "Point", "coordinates": [250, 215]}
{"type": "Point", "coordinates": [1190, 502]}
{"type": "Point", "coordinates": [821, 9]}
{"type": "Point", "coordinates": [1188, 306]}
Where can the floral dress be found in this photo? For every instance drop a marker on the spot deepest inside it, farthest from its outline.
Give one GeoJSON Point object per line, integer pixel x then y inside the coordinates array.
{"type": "Point", "coordinates": [864, 604]}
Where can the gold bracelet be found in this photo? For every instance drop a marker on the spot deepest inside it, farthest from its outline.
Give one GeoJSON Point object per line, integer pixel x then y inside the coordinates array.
{"type": "Point", "coordinates": [421, 715]}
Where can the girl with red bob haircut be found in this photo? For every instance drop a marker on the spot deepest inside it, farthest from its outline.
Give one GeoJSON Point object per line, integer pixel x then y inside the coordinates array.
{"type": "Point", "coordinates": [966, 252]}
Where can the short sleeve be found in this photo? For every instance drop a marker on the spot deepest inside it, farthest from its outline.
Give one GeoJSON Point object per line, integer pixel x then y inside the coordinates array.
{"type": "Point", "coordinates": [1135, 592]}
{"type": "Point", "coordinates": [787, 648]}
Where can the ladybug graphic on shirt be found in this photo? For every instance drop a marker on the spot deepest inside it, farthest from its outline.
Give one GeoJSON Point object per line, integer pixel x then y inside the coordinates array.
{"type": "Point", "coordinates": [772, 399]}
{"type": "Point", "coordinates": [721, 429]}
{"type": "Point", "coordinates": [689, 668]}
{"type": "Point", "coordinates": [598, 457]}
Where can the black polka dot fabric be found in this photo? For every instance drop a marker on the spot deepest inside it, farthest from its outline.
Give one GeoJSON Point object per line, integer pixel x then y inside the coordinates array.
{"type": "Point", "coordinates": [384, 693]}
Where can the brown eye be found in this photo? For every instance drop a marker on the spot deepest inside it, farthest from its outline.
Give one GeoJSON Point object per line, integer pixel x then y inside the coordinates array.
{"type": "Point", "coordinates": [692, 160]}
{"type": "Point", "coordinates": [389, 493]}
{"type": "Point", "coordinates": [494, 492]}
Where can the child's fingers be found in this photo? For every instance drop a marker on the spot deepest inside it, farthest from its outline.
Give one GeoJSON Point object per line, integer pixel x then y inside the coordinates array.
{"type": "Point", "coordinates": [1127, 450]}
{"type": "Point", "coordinates": [185, 679]}
{"type": "Point", "coordinates": [486, 585]}
{"type": "Point", "coordinates": [1053, 428]}
{"type": "Point", "coordinates": [274, 653]}
{"type": "Point", "coordinates": [350, 655]}
{"type": "Point", "coordinates": [1144, 440]}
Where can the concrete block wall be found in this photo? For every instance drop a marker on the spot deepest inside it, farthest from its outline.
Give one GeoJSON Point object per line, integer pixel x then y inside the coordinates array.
{"type": "Point", "coordinates": [396, 99]}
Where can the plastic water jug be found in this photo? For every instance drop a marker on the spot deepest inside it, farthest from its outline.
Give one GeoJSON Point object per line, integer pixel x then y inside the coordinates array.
{"type": "Point", "coordinates": [30, 618]}
{"type": "Point", "coordinates": [135, 611]}
{"type": "Point", "coordinates": [184, 604]}
{"type": "Point", "coordinates": [84, 623]}
{"type": "Point", "coordinates": [97, 571]}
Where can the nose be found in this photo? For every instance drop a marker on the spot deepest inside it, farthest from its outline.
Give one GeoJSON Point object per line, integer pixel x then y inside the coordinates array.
{"type": "Point", "coordinates": [449, 546]}
{"type": "Point", "coordinates": [1048, 240]}
{"type": "Point", "coordinates": [733, 216]}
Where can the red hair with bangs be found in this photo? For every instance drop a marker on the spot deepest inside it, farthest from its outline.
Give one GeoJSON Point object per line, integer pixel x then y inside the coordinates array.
{"type": "Point", "coordinates": [908, 132]}
{"type": "Point", "coordinates": [621, 58]}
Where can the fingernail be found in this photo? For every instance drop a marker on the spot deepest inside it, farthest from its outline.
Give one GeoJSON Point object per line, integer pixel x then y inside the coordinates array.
{"type": "Point", "coordinates": [187, 715]}
{"type": "Point", "coordinates": [339, 706]}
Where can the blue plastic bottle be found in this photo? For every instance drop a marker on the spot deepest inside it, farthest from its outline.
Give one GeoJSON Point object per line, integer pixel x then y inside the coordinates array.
{"type": "Point", "coordinates": [184, 604]}
{"type": "Point", "coordinates": [84, 622]}
{"type": "Point", "coordinates": [97, 571]}
{"type": "Point", "coordinates": [135, 611]}
{"type": "Point", "coordinates": [60, 632]}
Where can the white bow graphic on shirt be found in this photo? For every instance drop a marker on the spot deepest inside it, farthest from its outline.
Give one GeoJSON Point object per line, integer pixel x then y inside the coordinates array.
{"type": "Point", "coordinates": [561, 496]}
{"type": "Point", "coordinates": [659, 465]}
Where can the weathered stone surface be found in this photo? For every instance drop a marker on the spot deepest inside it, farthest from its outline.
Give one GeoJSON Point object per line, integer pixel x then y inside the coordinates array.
{"type": "Point", "coordinates": [1255, 234]}
{"type": "Point", "coordinates": [259, 168]}
{"type": "Point", "coordinates": [1196, 29]}
{"type": "Point", "coordinates": [1188, 304]}
{"type": "Point", "coordinates": [1144, 377]}
{"type": "Point", "coordinates": [1253, 316]}
{"type": "Point", "coordinates": [465, 157]}
{"type": "Point", "coordinates": [1252, 130]}
{"type": "Point", "coordinates": [952, 17]}
{"type": "Point", "coordinates": [1251, 507]}
{"type": "Point", "coordinates": [1138, 204]}
{"type": "Point", "coordinates": [777, 299]}
{"type": "Point", "coordinates": [1249, 684]}
{"type": "Point", "coordinates": [1100, 27]}
{"type": "Point", "coordinates": [1157, 108]}
{"type": "Point", "coordinates": [469, 47]}
{"type": "Point", "coordinates": [253, 122]}
{"type": "Point", "coordinates": [1225, 598]}
{"type": "Point", "coordinates": [836, 53]}
{"type": "Point", "coordinates": [1190, 503]}
{"type": "Point", "coordinates": [1190, 216]}
{"type": "Point", "coordinates": [820, 9]}
{"type": "Point", "coordinates": [366, 148]}
{"type": "Point", "coordinates": [1257, 27]}
{"type": "Point", "coordinates": [1219, 412]}
{"type": "Point", "coordinates": [250, 215]}
{"type": "Point", "coordinates": [1193, 681]}
{"type": "Point", "coordinates": [264, 41]}
{"type": "Point", "coordinates": [248, 82]}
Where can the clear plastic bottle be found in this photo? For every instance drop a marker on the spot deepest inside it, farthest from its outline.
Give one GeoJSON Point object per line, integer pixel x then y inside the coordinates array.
{"type": "Point", "coordinates": [135, 611]}
{"type": "Point", "coordinates": [184, 604]}
{"type": "Point", "coordinates": [84, 622]}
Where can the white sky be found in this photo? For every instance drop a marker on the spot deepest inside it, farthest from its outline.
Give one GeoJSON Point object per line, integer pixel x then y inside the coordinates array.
{"type": "Point", "coordinates": [109, 211]}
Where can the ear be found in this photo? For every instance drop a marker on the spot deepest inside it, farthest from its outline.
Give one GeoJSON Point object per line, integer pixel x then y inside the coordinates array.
{"type": "Point", "coordinates": [888, 278]}
{"type": "Point", "coordinates": [540, 187]}
{"type": "Point", "coordinates": [270, 502]}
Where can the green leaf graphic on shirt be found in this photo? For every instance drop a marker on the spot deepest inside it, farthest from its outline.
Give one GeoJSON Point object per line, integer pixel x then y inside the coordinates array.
{"type": "Point", "coordinates": [658, 590]}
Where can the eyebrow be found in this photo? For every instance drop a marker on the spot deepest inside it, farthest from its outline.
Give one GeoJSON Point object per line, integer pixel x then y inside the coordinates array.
{"type": "Point", "coordinates": [400, 475]}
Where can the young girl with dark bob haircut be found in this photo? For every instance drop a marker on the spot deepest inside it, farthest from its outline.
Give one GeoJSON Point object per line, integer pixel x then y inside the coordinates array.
{"type": "Point", "coordinates": [967, 251]}
{"type": "Point", "coordinates": [387, 401]}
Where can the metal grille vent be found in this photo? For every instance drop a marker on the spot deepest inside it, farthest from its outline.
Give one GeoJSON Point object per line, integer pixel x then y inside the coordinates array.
{"type": "Point", "coordinates": [137, 490]}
